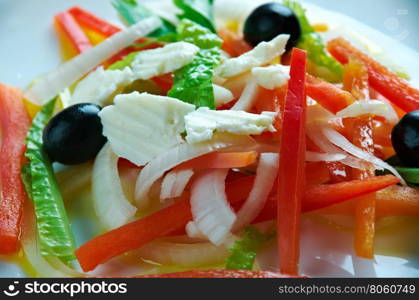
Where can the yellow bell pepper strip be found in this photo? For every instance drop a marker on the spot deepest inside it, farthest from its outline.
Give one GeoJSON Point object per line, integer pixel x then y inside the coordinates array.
{"type": "Point", "coordinates": [14, 125]}
{"type": "Point", "coordinates": [291, 177]}
{"type": "Point", "coordinates": [388, 84]}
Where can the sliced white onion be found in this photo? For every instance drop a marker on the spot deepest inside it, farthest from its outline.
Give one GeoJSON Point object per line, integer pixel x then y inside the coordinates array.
{"type": "Point", "coordinates": [339, 140]}
{"type": "Point", "coordinates": [112, 207]}
{"type": "Point", "coordinates": [211, 211]}
{"type": "Point", "coordinates": [221, 95]}
{"type": "Point", "coordinates": [193, 231]}
{"type": "Point", "coordinates": [183, 254]}
{"type": "Point", "coordinates": [32, 250]}
{"type": "Point", "coordinates": [266, 173]}
{"type": "Point", "coordinates": [314, 132]}
{"type": "Point", "coordinates": [174, 183]}
{"type": "Point", "coordinates": [315, 156]}
{"type": "Point", "coordinates": [248, 97]}
{"type": "Point", "coordinates": [56, 81]}
{"type": "Point", "coordinates": [179, 154]}
{"type": "Point", "coordinates": [374, 107]}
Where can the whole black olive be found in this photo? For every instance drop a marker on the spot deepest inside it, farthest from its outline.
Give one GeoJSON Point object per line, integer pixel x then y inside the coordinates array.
{"type": "Point", "coordinates": [74, 135]}
{"type": "Point", "coordinates": [405, 139]}
{"type": "Point", "coordinates": [270, 20]}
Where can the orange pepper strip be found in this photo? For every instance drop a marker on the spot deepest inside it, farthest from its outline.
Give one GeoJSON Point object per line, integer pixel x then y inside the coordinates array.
{"type": "Point", "coordinates": [391, 86]}
{"type": "Point", "coordinates": [221, 160]}
{"type": "Point", "coordinates": [328, 95]}
{"type": "Point", "coordinates": [355, 80]}
{"type": "Point", "coordinates": [14, 125]}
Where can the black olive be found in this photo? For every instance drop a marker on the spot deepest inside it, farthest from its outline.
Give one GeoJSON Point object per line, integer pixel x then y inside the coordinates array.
{"type": "Point", "coordinates": [405, 139]}
{"type": "Point", "coordinates": [270, 20]}
{"type": "Point", "coordinates": [74, 135]}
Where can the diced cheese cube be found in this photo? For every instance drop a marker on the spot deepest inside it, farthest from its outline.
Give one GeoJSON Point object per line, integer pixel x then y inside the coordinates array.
{"type": "Point", "coordinates": [141, 126]}
{"type": "Point", "coordinates": [155, 62]}
{"type": "Point", "coordinates": [262, 54]}
{"type": "Point", "coordinates": [100, 85]}
{"type": "Point", "coordinates": [202, 123]}
{"type": "Point", "coordinates": [271, 77]}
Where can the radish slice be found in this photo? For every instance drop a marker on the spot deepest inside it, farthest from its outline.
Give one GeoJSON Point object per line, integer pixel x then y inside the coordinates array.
{"type": "Point", "coordinates": [314, 156]}
{"type": "Point", "coordinates": [112, 207]}
{"type": "Point", "coordinates": [56, 81]}
{"type": "Point", "coordinates": [248, 97]}
{"type": "Point", "coordinates": [266, 174]}
{"type": "Point", "coordinates": [183, 254]}
{"type": "Point", "coordinates": [211, 212]}
{"type": "Point", "coordinates": [179, 154]}
{"type": "Point", "coordinates": [174, 183]}
{"type": "Point", "coordinates": [374, 107]}
{"type": "Point", "coordinates": [339, 140]}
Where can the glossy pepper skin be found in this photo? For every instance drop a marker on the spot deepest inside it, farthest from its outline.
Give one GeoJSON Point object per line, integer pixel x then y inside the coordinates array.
{"type": "Point", "coordinates": [291, 176]}
{"type": "Point", "coordinates": [14, 125]}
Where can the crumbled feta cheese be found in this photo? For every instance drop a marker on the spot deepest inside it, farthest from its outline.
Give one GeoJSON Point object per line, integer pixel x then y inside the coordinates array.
{"type": "Point", "coordinates": [262, 54]}
{"type": "Point", "coordinates": [155, 62]}
{"type": "Point", "coordinates": [202, 123]}
{"type": "Point", "coordinates": [271, 77]}
{"type": "Point", "coordinates": [141, 126]}
{"type": "Point", "coordinates": [100, 85]}
{"type": "Point", "coordinates": [221, 95]}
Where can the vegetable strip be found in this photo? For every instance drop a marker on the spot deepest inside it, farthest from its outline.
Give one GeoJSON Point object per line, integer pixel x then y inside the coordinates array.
{"type": "Point", "coordinates": [14, 124]}
{"type": "Point", "coordinates": [93, 22]}
{"type": "Point", "coordinates": [174, 218]}
{"type": "Point", "coordinates": [391, 86]}
{"type": "Point", "coordinates": [292, 165]}
{"type": "Point", "coordinates": [73, 31]}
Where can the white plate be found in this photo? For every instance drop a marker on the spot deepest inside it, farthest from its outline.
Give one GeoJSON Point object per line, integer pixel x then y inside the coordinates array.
{"type": "Point", "coordinates": [32, 49]}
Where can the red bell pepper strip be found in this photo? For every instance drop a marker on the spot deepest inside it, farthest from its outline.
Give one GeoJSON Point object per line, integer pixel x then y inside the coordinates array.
{"type": "Point", "coordinates": [292, 165]}
{"type": "Point", "coordinates": [173, 219]}
{"type": "Point", "coordinates": [76, 35]}
{"type": "Point", "coordinates": [93, 22]}
{"type": "Point", "coordinates": [328, 95]}
{"type": "Point", "coordinates": [391, 86]}
{"type": "Point", "coordinates": [14, 125]}
{"type": "Point", "coordinates": [328, 195]}
{"type": "Point", "coordinates": [134, 235]}
{"type": "Point", "coordinates": [218, 274]}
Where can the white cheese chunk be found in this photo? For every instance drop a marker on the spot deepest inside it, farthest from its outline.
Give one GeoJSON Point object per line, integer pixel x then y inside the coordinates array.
{"type": "Point", "coordinates": [271, 77]}
{"type": "Point", "coordinates": [155, 62]}
{"type": "Point", "coordinates": [100, 85]}
{"type": "Point", "coordinates": [201, 124]}
{"type": "Point", "coordinates": [221, 95]}
{"type": "Point", "coordinates": [262, 54]}
{"type": "Point", "coordinates": [141, 126]}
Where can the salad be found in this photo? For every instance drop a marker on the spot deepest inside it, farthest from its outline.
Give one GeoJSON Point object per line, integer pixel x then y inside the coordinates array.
{"type": "Point", "coordinates": [203, 140]}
